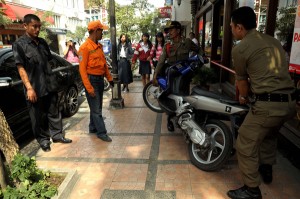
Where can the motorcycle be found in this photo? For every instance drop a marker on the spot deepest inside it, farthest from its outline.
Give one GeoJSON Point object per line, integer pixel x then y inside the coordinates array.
{"type": "Point", "coordinates": [200, 114]}
{"type": "Point", "coordinates": [109, 65]}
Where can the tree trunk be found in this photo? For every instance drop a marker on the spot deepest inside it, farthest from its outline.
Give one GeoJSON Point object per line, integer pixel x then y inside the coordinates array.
{"type": "Point", "coordinates": [3, 182]}
{"type": "Point", "coordinates": [8, 147]}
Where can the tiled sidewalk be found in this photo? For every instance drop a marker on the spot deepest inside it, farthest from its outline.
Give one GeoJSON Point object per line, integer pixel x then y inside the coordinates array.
{"type": "Point", "coordinates": [144, 160]}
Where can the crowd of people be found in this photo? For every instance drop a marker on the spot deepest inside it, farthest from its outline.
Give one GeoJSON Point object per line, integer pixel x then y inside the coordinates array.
{"type": "Point", "coordinates": [259, 61]}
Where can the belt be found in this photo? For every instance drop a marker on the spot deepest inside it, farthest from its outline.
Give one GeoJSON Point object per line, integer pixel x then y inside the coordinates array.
{"type": "Point", "coordinates": [275, 97]}
{"type": "Point", "coordinates": [123, 58]}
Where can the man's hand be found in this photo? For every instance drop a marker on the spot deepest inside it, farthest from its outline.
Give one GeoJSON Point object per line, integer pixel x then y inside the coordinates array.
{"type": "Point", "coordinates": [31, 95]}
{"type": "Point", "coordinates": [111, 83]}
{"type": "Point", "coordinates": [243, 99]}
{"type": "Point", "coordinates": [92, 94]}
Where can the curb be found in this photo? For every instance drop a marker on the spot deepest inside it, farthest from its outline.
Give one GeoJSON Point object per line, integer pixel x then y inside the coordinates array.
{"type": "Point", "coordinates": [66, 187]}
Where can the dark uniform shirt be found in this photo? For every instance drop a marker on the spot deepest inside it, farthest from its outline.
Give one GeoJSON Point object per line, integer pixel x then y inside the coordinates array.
{"type": "Point", "coordinates": [261, 58]}
{"type": "Point", "coordinates": [34, 58]}
{"type": "Point", "coordinates": [176, 51]}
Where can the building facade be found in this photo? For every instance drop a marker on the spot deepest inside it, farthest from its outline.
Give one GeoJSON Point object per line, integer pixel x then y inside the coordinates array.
{"type": "Point", "coordinates": [65, 15]}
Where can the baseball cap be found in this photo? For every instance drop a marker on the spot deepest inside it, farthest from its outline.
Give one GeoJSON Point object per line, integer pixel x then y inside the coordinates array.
{"type": "Point", "coordinates": [94, 25]}
{"type": "Point", "coordinates": [172, 24]}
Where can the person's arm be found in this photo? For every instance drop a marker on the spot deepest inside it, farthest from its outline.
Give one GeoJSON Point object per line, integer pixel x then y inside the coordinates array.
{"type": "Point", "coordinates": [243, 86]}
{"type": "Point", "coordinates": [136, 54]}
{"type": "Point", "coordinates": [20, 60]}
{"type": "Point", "coordinates": [66, 51]}
{"type": "Point", "coordinates": [31, 95]}
{"type": "Point", "coordinates": [241, 76]}
{"type": "Point", "coordinates": [84, 54]}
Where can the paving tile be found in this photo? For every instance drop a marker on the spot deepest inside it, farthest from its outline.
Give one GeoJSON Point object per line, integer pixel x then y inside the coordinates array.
{"type": "Point", "coordinates": [132, 161]}
{"type": "Point", "coordinates": [173, 148]}
{"type": "Point", "coordinates": [131, 173]}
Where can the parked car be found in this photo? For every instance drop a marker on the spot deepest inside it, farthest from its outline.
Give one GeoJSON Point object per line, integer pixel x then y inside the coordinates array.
{"type": "Point", "coordinates": [13, 102]}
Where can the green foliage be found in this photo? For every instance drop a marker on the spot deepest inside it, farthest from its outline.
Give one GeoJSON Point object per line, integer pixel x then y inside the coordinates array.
{"type": "Point", "coordinates": [137, 18]}
{"type": "Point", "coordinates": [29, 180]}
{"type": "Point", "coordinates": [285, 22]}
{"type": "Point", "coordinates": [204, 76]}
{"type": "Point", "coordinates": [43, 32]}
{"type": "Point", "coordinates": [4, 20]}
{"type": "Point", "coordinates": [78, 36]}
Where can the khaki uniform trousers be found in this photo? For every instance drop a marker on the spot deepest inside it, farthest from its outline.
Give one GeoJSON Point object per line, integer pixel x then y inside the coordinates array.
{"type": "Point", "coordinates": [257, 140]}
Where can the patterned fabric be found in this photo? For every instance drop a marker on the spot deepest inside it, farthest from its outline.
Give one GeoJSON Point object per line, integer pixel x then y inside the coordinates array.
{"type": "Point", "coordinates": [142, 52]}
{"type": "Point", "coordinates": [155, 53]}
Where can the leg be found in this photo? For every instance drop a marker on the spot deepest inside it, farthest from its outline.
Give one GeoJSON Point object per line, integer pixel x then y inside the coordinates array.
{"type": "Point", "coordinates": [147, 79]}
{"type": "Point", "coordinates": [144, 79]}
{"type": "Point", "coordinates": [54, 116]}
{"type": "Point", "coordinates": [95, 104]}
{"type": "Point", "coordinates": [38, 122]}
{"type": "Point", "coordinates": [170, 124]}
{"type": "Point", "coordinates": [55, 119]}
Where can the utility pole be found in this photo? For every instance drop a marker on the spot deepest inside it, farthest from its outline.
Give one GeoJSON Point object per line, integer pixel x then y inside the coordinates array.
{"type": "Point", "coordinates": [117, 101]}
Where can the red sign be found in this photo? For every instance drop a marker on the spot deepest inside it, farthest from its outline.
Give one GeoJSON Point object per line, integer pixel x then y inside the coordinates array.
{"type": "Point", "coordinates": [165, 12]}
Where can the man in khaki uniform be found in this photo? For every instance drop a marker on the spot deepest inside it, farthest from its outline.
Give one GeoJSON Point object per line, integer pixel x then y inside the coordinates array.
{"type": "Point", "coordinates": [176, 50]}
{"type": "Point", "coordinates": [260, 58]}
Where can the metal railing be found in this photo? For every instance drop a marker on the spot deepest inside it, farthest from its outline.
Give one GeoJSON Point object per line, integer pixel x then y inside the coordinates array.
{"type": "Point", "coordinates": [222, 67]}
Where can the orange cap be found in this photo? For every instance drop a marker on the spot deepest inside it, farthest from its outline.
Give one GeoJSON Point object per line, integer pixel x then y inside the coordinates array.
{"type": "Point", "coordinates": [94, 25]}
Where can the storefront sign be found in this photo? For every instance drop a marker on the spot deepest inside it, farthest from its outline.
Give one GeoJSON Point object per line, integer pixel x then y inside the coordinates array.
{"type": "Point", "coordinates": [249, 3]}
{"type": "Point", "coordinates": [165, 12]}
{"type": "Point", "coordinates": [295, 52]}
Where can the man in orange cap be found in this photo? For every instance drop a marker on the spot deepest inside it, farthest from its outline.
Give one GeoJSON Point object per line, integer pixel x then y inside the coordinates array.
{"type": "Point", "coordinates": [93, 69]}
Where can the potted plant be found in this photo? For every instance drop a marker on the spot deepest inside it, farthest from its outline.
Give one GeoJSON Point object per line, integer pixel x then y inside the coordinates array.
{"type": "Point", "coordinates": [204, 77]}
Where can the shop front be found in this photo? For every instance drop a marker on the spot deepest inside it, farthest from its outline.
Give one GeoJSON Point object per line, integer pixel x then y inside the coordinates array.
{"type": "Point", "coordinates": [212, 27]}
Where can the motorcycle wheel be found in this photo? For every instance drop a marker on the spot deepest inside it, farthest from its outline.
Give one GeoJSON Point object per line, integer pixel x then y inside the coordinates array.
{"type": "Point", "coordinates": [219, 151]}
{"type": "Point", "coordinates": [150, 96]}
{"type": "Point", "coordinates": [106, 84]}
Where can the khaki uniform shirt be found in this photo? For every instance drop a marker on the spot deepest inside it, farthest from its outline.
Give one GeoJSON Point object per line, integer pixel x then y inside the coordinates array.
{"type": "Point", "coordinates": [261, 58]}
{"type": "Point", "coordinates": [178, 51]}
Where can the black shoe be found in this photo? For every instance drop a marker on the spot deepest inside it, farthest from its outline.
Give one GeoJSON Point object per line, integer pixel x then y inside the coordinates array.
{"type": "Point", "coordinates": [170, 126]}
{"type": "Point", "coordinates": [104, 138]}
{"type": "Point", "coordinates": [265, 171]}
{"type": "Point", "coordinates": [245, 192]}
{"type": "Point", "coordinates": [45, 147]}
{"type": "Point", "coordinates": [62, 140]}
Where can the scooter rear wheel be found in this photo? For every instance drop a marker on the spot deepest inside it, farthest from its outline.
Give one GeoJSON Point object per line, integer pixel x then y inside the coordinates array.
{"type": "Point", "coordinates": [221, 144]}
{"type": "Point", "coordinates": [150, 96]}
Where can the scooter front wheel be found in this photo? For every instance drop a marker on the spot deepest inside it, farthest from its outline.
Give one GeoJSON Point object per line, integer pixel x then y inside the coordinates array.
{"type": "Point", "coordinates": [213, 157]}
{"type": "Point", "coordinates": [150, 97]}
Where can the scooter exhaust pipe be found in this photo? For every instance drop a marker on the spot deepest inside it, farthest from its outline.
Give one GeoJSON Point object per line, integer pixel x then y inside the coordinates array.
{"type": "Point", "coordinates": [196, 134]}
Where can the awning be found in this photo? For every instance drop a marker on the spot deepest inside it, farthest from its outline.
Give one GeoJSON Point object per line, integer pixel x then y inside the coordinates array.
{"type": "Point", "coordinates": [17, 12]}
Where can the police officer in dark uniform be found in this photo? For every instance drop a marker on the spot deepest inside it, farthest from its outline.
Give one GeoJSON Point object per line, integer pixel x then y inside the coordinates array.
{"type": "Point", "coordinates": [176, 50]}
{"type": "Point", "coordinates": [32, 55]}
{"type": "Point", "coordinates": [261, 71]}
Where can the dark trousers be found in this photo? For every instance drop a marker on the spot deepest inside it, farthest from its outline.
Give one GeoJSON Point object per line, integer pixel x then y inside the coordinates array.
{"type": "Point", "coordinates": [95, 103]}
{"type": "Point", "coordinates": [46, 118]}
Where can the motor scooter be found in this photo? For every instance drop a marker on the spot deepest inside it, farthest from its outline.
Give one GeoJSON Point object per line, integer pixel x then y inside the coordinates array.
{"type": "Point", "coordinates": [200, 114]}
{"type": "Point", "coordinates": [109, 65]}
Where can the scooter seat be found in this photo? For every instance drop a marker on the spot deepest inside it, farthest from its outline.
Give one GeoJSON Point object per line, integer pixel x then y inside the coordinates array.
{"type": "Point", "coordinates": [197, 90]}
